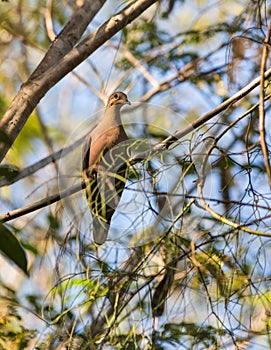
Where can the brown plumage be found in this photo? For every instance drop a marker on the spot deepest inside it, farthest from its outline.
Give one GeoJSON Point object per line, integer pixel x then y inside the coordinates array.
{"type": "Point", "coordinates": [104, 168]}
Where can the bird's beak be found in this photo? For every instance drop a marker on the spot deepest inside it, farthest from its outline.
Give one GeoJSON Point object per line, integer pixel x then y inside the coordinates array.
{"type": "Point", "coordinates": [128, 102]}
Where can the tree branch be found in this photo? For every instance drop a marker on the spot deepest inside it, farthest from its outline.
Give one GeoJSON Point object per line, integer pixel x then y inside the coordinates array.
{"type": "Point", "coordinates": [42, 203]}
{"type": "Point", "coordinates": [69, 36]}
{"type": "Point", "coordinates": [33, 168]}
{"type": "Point", "coordinates": [209, 115]}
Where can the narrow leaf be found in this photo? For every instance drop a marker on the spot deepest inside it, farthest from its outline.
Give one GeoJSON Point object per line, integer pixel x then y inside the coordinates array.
{"type": "Point", "coordinates": [8, 171]}
{"type": "Point", "coordinates": [11, 247]}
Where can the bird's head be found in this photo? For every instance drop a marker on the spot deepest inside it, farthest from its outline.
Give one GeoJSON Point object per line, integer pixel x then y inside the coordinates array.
{"type": "Point", "coordinates": [118, 99]}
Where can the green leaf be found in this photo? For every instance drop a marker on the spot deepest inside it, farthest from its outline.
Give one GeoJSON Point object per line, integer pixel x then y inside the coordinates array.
{"type": "Point", "coordinates": [11, 247]}
{"type": "Point", "coordinates": [8, 171]}
{"type": "Point", "coordinates": [54, 222]}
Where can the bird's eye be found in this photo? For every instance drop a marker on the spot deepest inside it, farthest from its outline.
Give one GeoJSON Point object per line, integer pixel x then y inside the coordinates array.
{"type": "Point", "coordinates": [116, 96]}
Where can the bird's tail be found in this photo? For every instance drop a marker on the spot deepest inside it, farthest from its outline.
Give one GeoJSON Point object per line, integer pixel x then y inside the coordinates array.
{"type": "Point", "coordinates": [100, 230]}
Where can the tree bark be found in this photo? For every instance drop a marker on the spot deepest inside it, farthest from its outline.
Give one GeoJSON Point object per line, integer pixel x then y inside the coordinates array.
{"type": "Point", "coordinates": [69, 35]}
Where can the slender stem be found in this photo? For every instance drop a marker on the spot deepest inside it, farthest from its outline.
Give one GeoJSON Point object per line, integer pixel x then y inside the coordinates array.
{"type": "Point", "coordinates": [261, 106]}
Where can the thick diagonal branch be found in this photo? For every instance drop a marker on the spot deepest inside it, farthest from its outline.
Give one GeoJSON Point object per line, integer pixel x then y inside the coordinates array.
{"type": "Point", "coordinates": [69, 36]}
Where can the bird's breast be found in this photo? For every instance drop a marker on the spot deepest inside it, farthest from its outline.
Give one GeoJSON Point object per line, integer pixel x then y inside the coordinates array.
{"type": "Point", "coordinates": [105, 141]}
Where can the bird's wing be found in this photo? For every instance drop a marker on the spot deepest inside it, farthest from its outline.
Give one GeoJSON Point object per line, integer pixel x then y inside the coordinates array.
{"type": "Point", "coordinates": [85, 156]}
{"type": "Point", "coordinates": [100, 228]}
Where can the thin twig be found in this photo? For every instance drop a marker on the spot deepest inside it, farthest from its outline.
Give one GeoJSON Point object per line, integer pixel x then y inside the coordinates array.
{"type": "Point", "coordinates": [261, 106]}
{"type": "Point", "coordinates": [49, 21]}
{"type": "Point", "coordinates": [187, 72]}
{"type": "Point", "coordinates": [31, 169]}
{"type": "Point", "coordinates": [137, 64]}
{"type": "Point", "coordinates": [165, 144]}
{"type": "Point", "coordinates": [42, 203]}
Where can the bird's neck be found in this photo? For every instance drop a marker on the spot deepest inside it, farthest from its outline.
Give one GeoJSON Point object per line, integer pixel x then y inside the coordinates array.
{"type": "Point", "coordinates": [112, 116]}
